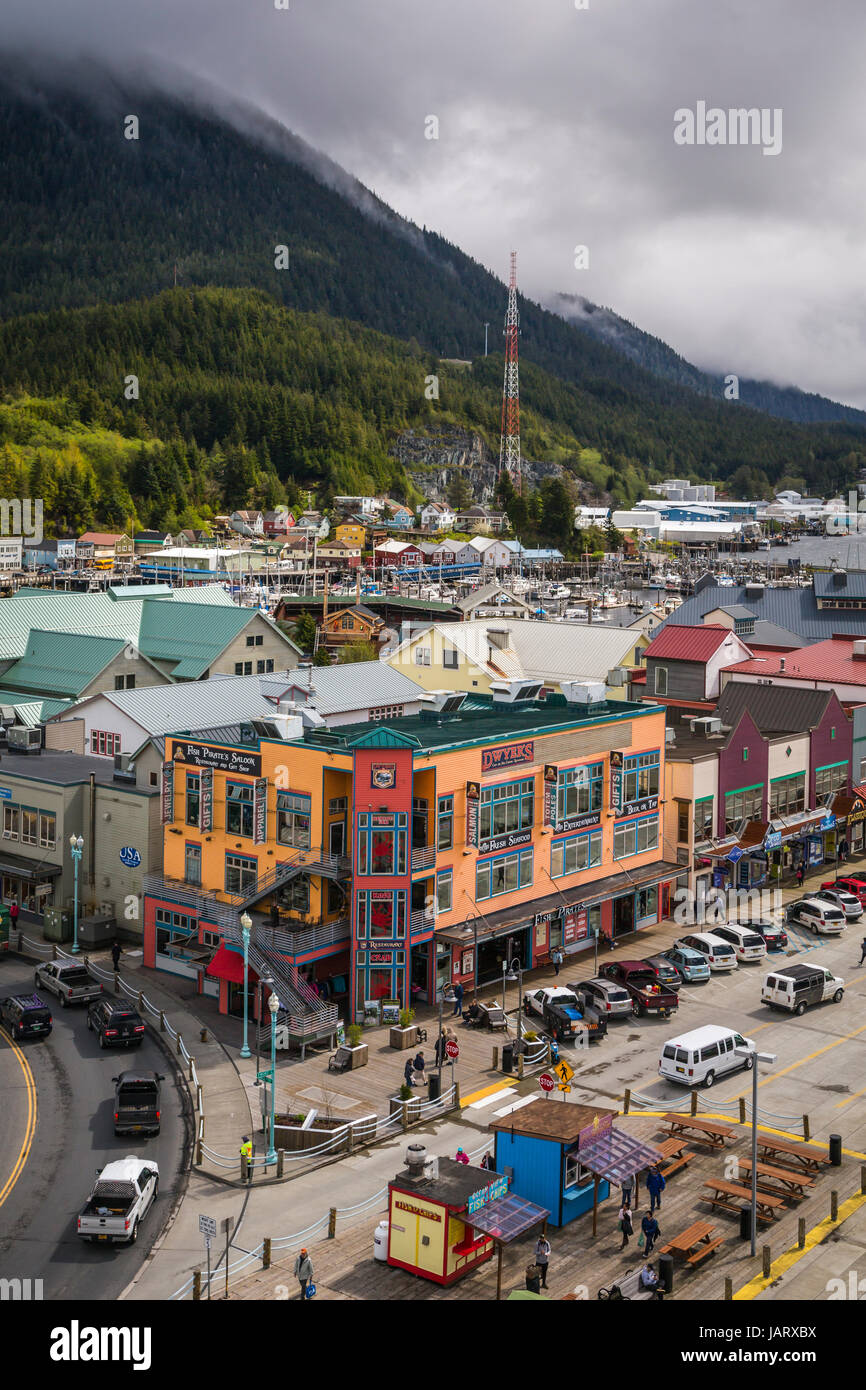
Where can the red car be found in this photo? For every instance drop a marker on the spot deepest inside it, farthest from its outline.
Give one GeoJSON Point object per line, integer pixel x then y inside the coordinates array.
{"type": "Point", "coordinates": [857, 886]}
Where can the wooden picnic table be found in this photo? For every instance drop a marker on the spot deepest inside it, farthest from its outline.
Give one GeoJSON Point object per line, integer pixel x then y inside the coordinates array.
{"type": "Point", "coordinates": [813, 1160]}
{"type": "Point", "coordinates": [792, 1184]}
{"type": "Point", "coordinates": [698, 1131]}
{"type": "Point", "coordinates": [727, 1193]}
{"type": "Point", "coordinates": [674, 1155]}
{"type": "Point", "coordinates": [695, 1243]}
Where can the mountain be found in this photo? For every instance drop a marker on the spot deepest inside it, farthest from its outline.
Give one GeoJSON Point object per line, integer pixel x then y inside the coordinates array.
{"type": "Point", "coordinates": [317, 366]}
{"type": "Point", "coordinates": [786, 402]}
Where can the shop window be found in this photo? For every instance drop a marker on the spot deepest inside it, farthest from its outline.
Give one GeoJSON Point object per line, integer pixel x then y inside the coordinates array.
{"type": "Point", "coordinates": [47, 829]}
{"type": "Point", "coordinates": [444, 890]}
{"type": "Point", "coordinates": [241, 873]}
{"type": "Point", "coordinates": [445, 823]}
{"type": "Point", "coordinates": [788, 795]}
{"type": "Point", "coordinates": [646, 904]}
{"type": "Point", "coordinates": [573, 855]}
{"type": "Point", "coordinates": [193, 798]}
{"type": "Point", "coordinates": [504, 874]}
{"type": "Point", "coordinates": [635, 837]}
{"type": "Point", "coordinates": [830, 780]}
{"type": "Point", "coordinates": [293, 820]}
{"type": "Point", "coordinates": [507, 808]}
{"type": "Point", "coordinates": [575, 1174]}
{"type": "Point", "coordinates": [640, 777]}
{"type": "Point", "coordinates": [192, 863]}
{"type": "Point", "coordinates": [579, 790]}
{"type": "Point", "coordinates": [703, 819]}
{"type": "Point", "coordinates": [239, 809]}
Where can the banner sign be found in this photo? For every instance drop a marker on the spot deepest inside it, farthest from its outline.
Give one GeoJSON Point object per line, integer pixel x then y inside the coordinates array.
{"type": "Point", "coordinates": [578, 822]}
{"type": "Point", "coordinates": [509, 841]}
{"type": "Point", "coordinates": [602, 1124]}
{"type": "Point", "coordinates": [224, 759]}
{"type": "Point", "coordinates": [260, 811]}
{"type": "Point", "coordinates": [773, 839]}
{"type": "Point", "coordinates": [484, 1195]}
{"type": "Point", "coordinates": [616, 782]}
{"type": "Point", "coordinates": [473, 799]}
{"type": "Point", "coordinates": [205, 803]}
{"type": "Point", "coordinates": [167, 793]}
{"type": "Point", "coordinates": [492, 759]}
{"type": "Point", "coordinates": [575, 925]}
{"type": "Point", "coordinates": [646, 803]}
{"type": "Point", "coordinates": [551, 777]}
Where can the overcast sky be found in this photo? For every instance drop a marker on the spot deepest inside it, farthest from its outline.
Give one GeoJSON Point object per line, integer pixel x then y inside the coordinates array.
{"type": "Point", "coordinates": [556, 129]}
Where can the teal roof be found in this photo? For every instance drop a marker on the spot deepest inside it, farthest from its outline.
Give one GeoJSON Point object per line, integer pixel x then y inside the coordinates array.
{"type": "Point", "coordinates": [190, 635]}
{"type": "Point", "coordinates": [62, 663]}
{"type": "Point", "coordinates": [32, 711]}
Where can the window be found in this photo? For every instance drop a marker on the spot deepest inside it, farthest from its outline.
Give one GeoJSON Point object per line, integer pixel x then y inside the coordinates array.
{"type": "Point", "coordinates": [574, 854]}
{"type": "Point", "coordinates": [47, 829]}
{"type": "Point", "coordinates": [640, 777]}
{"type": "Point", "coordinates": [575, 1174]}
{"type": "Point", "coordinates": [29, 826]}
{"type": "Point", "coordinates": [338, 805]}
{"type": "Point", "coordinates": [293, 820]}
{"type": "Point", "coordinates": [382, 844]}
{"type": "Point", "coordinates": [703, 818]}
{"type": "Point", "coordinates": [256, 640]}
{"type": "Point", "coordinates": [661, 680]}
{"type": "Point", "coordinates": [173, 931]}
{"type": "Point", "coordinates": [862, 777]}
{"type": "Point", "coordinates": [269, 664]}
{"type": "Point", "coordinates": [422, 656]}
{"type": "Point", "coordinates": [154, 779]}
{"type": "Point", "coordinates": [239, 668]}
{"type": "Point", "coordinates": [445, 823]}
{"type": "Point", "coordinates": [193, 798]}
{"type": "Point", "coordinates": [683, 809]}
{"type": "Point", "coordinates": [450, 659]}
{"type": "Point", "coordinates": [745, 804]}
{"type": "Point", "coordinates": [381, 914]}
{"type": "Point", "coordinates": [11, 822]}
{"type": "Point", "coordinates": [192, 863]}
{"type": "Point", "coordinates": [507, 808]}
{"type": "Point", "coordinates": [579, 790]}
{"type": "Point", "coordinates": [241, 873]}
{"type": "Point", "coordinates": [444, 890]}
{"type": "Point", "coordinates": [829, 780]}
{"type": "Point", "coordinates": [379, 712]}
{"type": "Point", "coordinates": [646, 904]}
{"type": "Point", "coordinates": [124, 682]}
{"type": "Point", "coordinates": [250, 641]}
{"type": "Point", "coordinates": [239, 808]}
{"type": "Point", "coordinates": [104, 745]}
{"type": "Point", "coordinates": [505, 874]}
{"type": "Point", "coordinates": [788, 795]}
{"type": "Point", "coordinates": [260, 668]}
{"type": "Point", "coordinates": [296, 894]}
{"type": "Point", "coordinates": [635, 837]}
{"type": "Point", "coordinates": [745, 755]}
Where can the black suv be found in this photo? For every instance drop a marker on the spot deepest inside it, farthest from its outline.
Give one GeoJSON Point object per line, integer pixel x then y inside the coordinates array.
{"type": "Point", "coordinates": [116, 1024]}
{"type": "Point", "coordinates": [26, 1016]}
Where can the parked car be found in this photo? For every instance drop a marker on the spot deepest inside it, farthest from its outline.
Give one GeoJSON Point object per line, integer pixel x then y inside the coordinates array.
{"type": "Point", "coordinates": [795, 987]}
{"type": "Point", "coordinates": [119, 1200]}
{"type": "Point", "coordinates": [116, 1025]}
{"type": "Point", "coordinates": [136, 1102]}
{"type": "Point", "coordinates": [665, 972]}
{"type": "Point", "coordinates": [719, 954]}
{"type": "Point", "coordinates": [820, 917]}
{"type": "Point", "coordinates": [647, 995]}
{"type": "Point", "coordinates": [26, 1016]}
{"type": "Point", "coordinates": [604, 996]}
{"type": "Point", "coordinates": [691, 964]}
{"type": "Point", "coordinates": [563, 1016]}
{"type": "Point", "coordinates": [698, 1057]}
{"type": "Point", "coordinates": [70, 981]}
{"type": "Point", "coordinates": [775, 938]}
{"type": "Point", "coordinates": [747, 944]}
{"type": "Point", "coordinates": [840, 897]}
{"type": "Point", "coordinates": [850, 883]}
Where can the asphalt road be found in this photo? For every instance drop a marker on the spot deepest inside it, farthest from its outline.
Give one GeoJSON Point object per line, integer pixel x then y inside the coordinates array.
{"type": "Point", "coordinates": [73, 1136]}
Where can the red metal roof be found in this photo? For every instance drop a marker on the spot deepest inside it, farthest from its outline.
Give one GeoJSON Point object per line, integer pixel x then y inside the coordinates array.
{"type": "Point", "coordinates": [688, 642]}
{"type": "Point", "coordinates": [832, 661]}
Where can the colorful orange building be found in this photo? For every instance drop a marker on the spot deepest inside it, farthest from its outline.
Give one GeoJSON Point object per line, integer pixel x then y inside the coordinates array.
{"type": "Point", "coordinates": [393, 859]}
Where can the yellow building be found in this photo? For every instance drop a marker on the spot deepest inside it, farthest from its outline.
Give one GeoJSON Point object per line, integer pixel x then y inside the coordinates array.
{"type": "Point", "coordinates": [351, 533]}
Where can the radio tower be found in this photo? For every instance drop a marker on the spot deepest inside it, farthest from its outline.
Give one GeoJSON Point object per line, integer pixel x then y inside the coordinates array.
{"type": "Point", "coordinates": [509, 447]}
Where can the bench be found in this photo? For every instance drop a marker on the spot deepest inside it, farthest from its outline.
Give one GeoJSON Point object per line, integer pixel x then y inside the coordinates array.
{"type": "Point", "coordinates": [677, 1164]}
{"type": "Point", "coordinates": [704, 1251]}
{"type": "Point", "coordinates": [629, 1288]}
{"type": "Point", "coordinates": [494, 1017]}
{"type": "Point", "coordinates": [341, 1060]}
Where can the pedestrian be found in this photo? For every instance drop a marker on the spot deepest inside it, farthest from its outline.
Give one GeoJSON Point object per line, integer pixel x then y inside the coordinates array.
{"type": "Point", "coordinates": [650, 1229]}
{"type": "Point", "coordinates": [246, 1159]}
{"type": "Point", "coordinates": [409, 1073]}
{"type": "Point", "coordinates": [556, 957]}
{"type": "Point", "coordinates": [487, 1161]}
{"type": "Point", "coordinates": [862, 951]}
{"type": "Point", "coordinates": [13, 913]}
{"type": "Point", "coordinates": [801, 874]}
{"type": "Point", "coordinates": [627, 1186]}
{"type": "Point", "coordinates": [419, 1067]}
{"type": "Point", "coordinates": [533, 1279]}
{"type": "Point", "coordinates": [625, 1224]}
{"type": "Point", "coordinates": [116, 953]}
{"type": "Point", "coordinates": [649, 1279]}
{"type": "Point", "coordinates": [303, 1272]}
{"type": "Point", "coordinates": [461, 1156]}
{"type": "Point", "coordinates": [439, 1048]}
{"type": "Point", "coordinates": [655, 1186]}
{"type": "Point", "coordinates": [554, 1051]}
{"type": "Point", "coordinates": [458, 1000]}
{"type": "Point", "coordinates": [542, 1257]}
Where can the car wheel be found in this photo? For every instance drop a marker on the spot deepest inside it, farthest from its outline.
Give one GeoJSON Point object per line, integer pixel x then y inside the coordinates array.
{"type": "Point", "coordinates": [814, 928]}
{"type": "Point", "coordinates": [89, 1024]}
{"type": "Point", "coordinates": [101, 1041]}
{"type": "Point", "coordinates": [36, 980]}
{"type": "Point", "coordinates": [156, 1189]}
{"type": "Point", "coordinates": [63, 1001]}
{"type": "Point", "coordinates": [837, 997]}
{"type": "Point", "coordinates": [749, 1062]}
{"type": "Point", "coordinates": [134, 1235]}
{"type": "Point", "coordinates": [636, 1009]}
{"type": "Point", "coordinates": [709, 1079]}
{"type": "Point", "coordinates": [800, 1009]}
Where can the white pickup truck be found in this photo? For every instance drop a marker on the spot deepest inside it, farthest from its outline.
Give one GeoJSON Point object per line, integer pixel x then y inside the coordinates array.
{"type": "Point", "coordinates": [122, 1196]}
{"type": "Point", "coordinates": [71, 982]}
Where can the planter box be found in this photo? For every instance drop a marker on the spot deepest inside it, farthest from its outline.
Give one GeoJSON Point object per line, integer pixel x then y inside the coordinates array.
{"type": "Point", "coordinates": [295, 1140]}
{"type": "Point", "coordinates": [395, 1105]}
{"type": "Point", "coordinates": [403, 1038]}
{"type": "Point", "coordinates": [360, 1055]}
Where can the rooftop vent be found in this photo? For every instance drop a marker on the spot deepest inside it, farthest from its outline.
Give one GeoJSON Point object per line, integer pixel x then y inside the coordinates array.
{"type": "Point", "coordinates": [706, 725]}
{"type": "Point", "coordinates": [754, 590]}
{"type": "Point", "coordinates": [509, 692]}
{"type": "Point", "coordinates": [416, 1157]}
{"type": "Point", "coordinates": [583, 692]}
{"type": "Point", "coordinates": [840, 578]}
{"type": "Point", "coordinates": [858, 650]}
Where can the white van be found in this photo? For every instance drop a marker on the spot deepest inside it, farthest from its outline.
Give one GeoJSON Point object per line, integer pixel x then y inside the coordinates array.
{"type": "Point", "coordinates": [697, 1058]}
{"type": "Point", "coordinates": [795, 987]}
{"type": "Point", "coordinates": [821, 917]}
{"type": "Point", "coordinates": [720, 954]}
{"type": "Point", "coordinates": [747, 944]}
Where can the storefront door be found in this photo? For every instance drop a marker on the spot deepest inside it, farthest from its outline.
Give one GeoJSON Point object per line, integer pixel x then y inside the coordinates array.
{"type": "Point", "coordinates": [420, 973]}
{"type": "Point", "coordinates": [337, 838]}
{"type": "Point", "coordinates": [443, 971]}
{"type": "Point", "coordinates": [623, 914]}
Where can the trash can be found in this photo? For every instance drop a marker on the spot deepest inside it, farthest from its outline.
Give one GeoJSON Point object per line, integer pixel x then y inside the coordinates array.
{"type": "Point", "coordinates": [380, 1241]}
{"type": "Point", "coordinates": [508, 1057]}
{"type": "Point", "coordinates": [836, 1150]}
{"type": "Point", "coordinates": [745, 1223]}
{"type": "Point", "coordinates": [434, 1086]}
{"type": "Point", "coordinates": [666, 1273]}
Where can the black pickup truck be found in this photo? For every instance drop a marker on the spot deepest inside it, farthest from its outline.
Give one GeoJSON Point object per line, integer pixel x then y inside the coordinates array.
{"type": "Point", "coordinates": [136, 1102]}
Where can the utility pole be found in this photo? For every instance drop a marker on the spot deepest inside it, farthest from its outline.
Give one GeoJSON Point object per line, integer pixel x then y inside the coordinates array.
{"type": "Point", "coordinates": [509, 446]}
{"type": "Point", "coordinates": [486, 326]}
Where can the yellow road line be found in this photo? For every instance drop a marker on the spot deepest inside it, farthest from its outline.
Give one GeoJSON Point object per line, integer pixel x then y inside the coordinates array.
{"type": "Point", "coordinates": [790, 1257]}
{"type": "Point", "coordinates": [783, 1071]}
{"type": "Point", "coordinates": [850, 1098]}
{"type": "Point", "coordinates": [487, 1091]}
{"type": "Point", "coordinates": [30, 1128]}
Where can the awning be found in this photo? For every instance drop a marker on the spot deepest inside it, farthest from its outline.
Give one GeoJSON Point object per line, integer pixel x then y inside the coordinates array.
{"type": "Point", "coordinates": [616, 1154]}
{"type": "Point", "coordinates": [229, 965]}
{"type": "Point", "coordinates": [507, 1218]}
{"type": "Point", "coordinates": [28, 869]}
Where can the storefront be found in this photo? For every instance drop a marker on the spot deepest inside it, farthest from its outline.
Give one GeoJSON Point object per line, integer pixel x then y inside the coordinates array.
{"type": "Point", "coordinates": [31, 885]}
{"type": "Point", "coordinates": [540, 1146]}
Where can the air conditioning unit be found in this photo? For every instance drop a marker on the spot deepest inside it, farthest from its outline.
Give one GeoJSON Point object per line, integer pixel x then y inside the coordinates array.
{"type": "Point", "coordinates": [24, 740]}
{"type": "Point", "coordinates": [443, 701]}
{"type": "Point", "coordinates": [509, 692]}
{"type": "Point", "coordinates": [670, 736]}
{"type": "Point", "coordinates": [618, 676]}
{"type": "Point", "coordinates": [706, 725]}
{"type": "Point", "coordinates": [583, 692]}
{"type": "Point", "coordinates": [858, 650]}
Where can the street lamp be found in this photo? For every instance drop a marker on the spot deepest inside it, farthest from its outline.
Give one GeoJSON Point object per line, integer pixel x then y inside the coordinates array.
{"type": "Point", "coordinates": [76, 847]}
{"type": "Point", "coordinates": [273, 1006]}
{"type": "Point", "coordinates": [246, 923]}
{"type": "Point", "coordinates": [768, 1058]}
{"type": "Point", "coordinates": [513, 970]}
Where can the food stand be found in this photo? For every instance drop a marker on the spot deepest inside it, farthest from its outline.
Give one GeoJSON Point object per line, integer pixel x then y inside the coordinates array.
{"type": "Point", "coordinates": [540, 1148]}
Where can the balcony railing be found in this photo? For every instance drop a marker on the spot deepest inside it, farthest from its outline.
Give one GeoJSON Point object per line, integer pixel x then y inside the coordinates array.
{"type": "Point", "coordinates": [421, 920]}
{"type": "Point", "coordinates": [423, 857]}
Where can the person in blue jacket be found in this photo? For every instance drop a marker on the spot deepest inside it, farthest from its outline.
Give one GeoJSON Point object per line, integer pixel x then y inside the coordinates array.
{"type": "Point", "coordinates": [655, 1186]}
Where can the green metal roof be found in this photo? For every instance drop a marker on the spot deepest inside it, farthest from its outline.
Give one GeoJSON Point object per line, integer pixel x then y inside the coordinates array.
{"type": "Point", "coordinates": [62, 663]}
{"type": "Point", "coordinates": [32, 711]}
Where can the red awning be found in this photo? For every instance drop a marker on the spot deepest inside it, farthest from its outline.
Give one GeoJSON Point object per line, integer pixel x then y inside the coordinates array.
{"type": "Point", "coordinates": [229, 965]}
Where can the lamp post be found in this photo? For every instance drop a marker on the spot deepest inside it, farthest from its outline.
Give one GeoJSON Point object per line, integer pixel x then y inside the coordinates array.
{"type": "Point", "coordinates": [513, 970]}
{"type": "Point", "coordinates": [273, 1006]}
{"type": "Point", "coordinates": [246, 923]}
{"type": "Point", "coordinates": [446, 997]}
{"type": "Point", "coordinates": [768, 1058]}
{"type": "Point", "coordinates": [76, 847]}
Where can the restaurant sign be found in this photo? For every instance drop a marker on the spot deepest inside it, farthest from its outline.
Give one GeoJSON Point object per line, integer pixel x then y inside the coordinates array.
{"type": "Point", "coordinates": [224, 759]}
{"type": "Point", "coordinates": [645, 803]}
{"type": "Point", "coordinates": [484, 1195]}
{"type": "Point", "coordinates": [575, 925]}
{"type": "Point", "coordinates": [508, 755]}
{"type": "Point", "coordinates": [509, 841]}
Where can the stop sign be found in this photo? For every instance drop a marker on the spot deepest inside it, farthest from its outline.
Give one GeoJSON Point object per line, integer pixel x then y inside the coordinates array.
{"type": "Point", "coordinates": [546, 1081]}
{"type": "Point", "coordinates": [451, 1049]}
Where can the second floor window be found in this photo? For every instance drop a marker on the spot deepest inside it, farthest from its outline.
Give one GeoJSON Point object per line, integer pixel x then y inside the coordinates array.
{"type": "Point", "coordinates": [505, 874]}
{"type": "Point", "coordinates": [241, 873]}
{"type": "Point", "coordinates": [640, 777]}
{"type": "Point", "coordinates": [579, 790]}
{"type": "Point", "coordinates": [788, 795]}
{"type": "Point", "coordinates": [193, 799]}
{"type": "Point", "coordinates": [745, 804]}
{"type": "Point", "coordinates": [829, 780]}
{"type": "Point", "coordinates": [445, 823]}
{"type": "Point", "coordinates": [239, 809]}
{"type": "Point", "coordinates": [382, 844]}
{"type": "Point", "coordinates": [293, 820]}
{"type": "Point", "coordinates": [507, 808]}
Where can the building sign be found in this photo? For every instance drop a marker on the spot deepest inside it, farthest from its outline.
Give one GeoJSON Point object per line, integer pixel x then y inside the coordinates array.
{"type": "Point", "coordinates": [484, 1195]}
{"type": "Point", "coordinates": [130, 857]}
{"type": "Point", "coordinates": [381, 957]}
{"type": "Point", "coordinates": [509, 755]}
{"type": "Point", "coordinates": [551, 776]}
{"type": "Point", "coordinates": [224, 759]}
{"type": "Point", "coordinates": [735, 854]}
{"type": "Point", "coordinates": [167, 793]}
{"type": "Point", "coordinates": [857, 812]}
{"type": "Point", "coordinates": [260, 811]}
{"type": "Point", "coordinates": [575, 925]}
{"type": "Point", "coordinates": [468, 962]}
{"type": "Point", "coordinates": [616, 782]}
{"type": "Point", "coordinates": [646, 803]}
{"type": "Point", "coordinates": [773, 839]}
{"type": "Point", "coordinates": [6, 793]}
{"type": "Point", "coordinates": [473, 798]}
{"type": "Point", "coordinates": [601, 1125]}
{"type": "Point", "coordinates": [205, 799]}
{"type": "Point", "coordinates": [426, 1213]}
{"type": "Point", "coordinates": [579, 822]}
{"type": "Point", "coordinates": [383, 776]}
{"type": "Point", "coordinates": [509, 841]}
{"type": "Point", "coordinates": [828, 822]}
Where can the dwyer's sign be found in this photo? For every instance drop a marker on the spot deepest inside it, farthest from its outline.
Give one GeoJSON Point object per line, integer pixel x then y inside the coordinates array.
{"type": "Point", "coordinates": [508, 755]}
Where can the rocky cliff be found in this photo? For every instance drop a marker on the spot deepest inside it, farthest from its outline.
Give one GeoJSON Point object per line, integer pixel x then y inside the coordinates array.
{"type": "Point", "coordinates": [432, 460]}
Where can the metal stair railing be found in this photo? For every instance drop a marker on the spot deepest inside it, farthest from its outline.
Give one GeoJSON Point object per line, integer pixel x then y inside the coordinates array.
{"type": "Point", "coordinates": [298, 861]}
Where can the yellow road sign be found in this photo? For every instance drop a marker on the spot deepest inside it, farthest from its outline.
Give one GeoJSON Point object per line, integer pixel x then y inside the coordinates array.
{"type": "Point", "coordinates": [564, 1086]}
{"type": "Point", "coordinates": [564, 1071]}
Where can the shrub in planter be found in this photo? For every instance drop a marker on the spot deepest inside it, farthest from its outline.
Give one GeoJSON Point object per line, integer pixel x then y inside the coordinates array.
{"type": "Point", "coordinates": [407, 1018]}
{"type": "Point", "coordinates": [406, 1092]}
{"type": "Point", "coordinates": [354, 1034]}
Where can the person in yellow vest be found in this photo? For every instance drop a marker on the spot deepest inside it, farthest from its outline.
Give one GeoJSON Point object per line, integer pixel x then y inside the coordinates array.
{"type": "Point", "coordinates": [246, 1159]}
